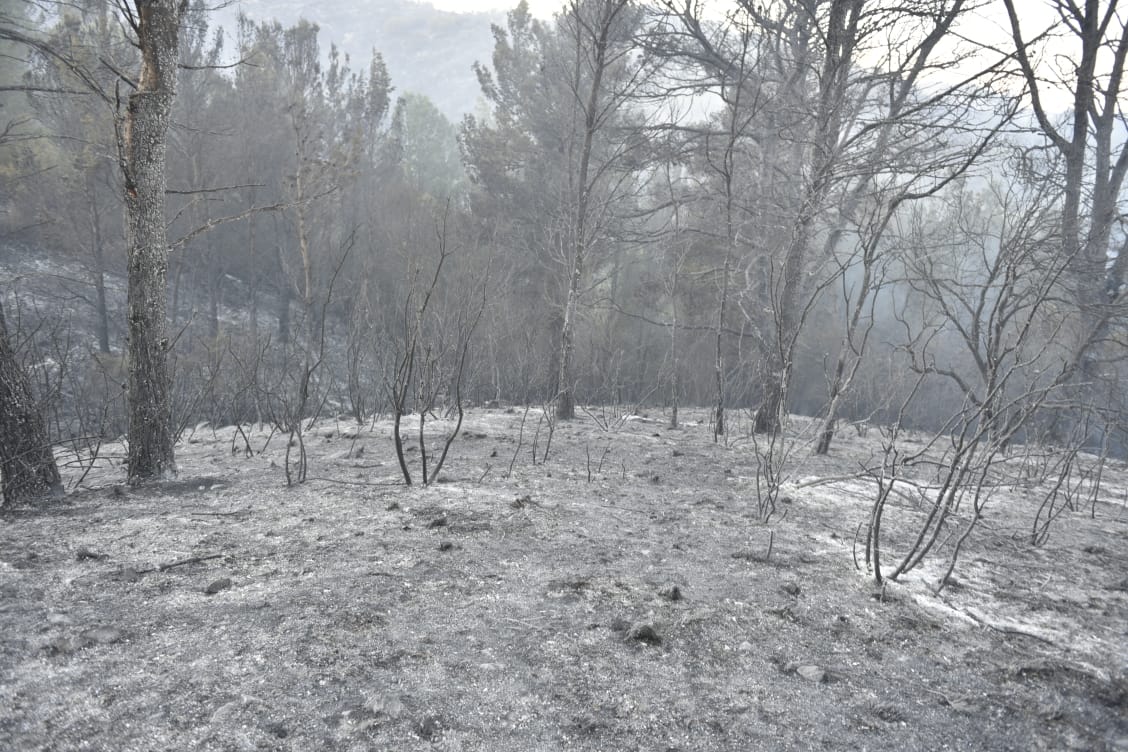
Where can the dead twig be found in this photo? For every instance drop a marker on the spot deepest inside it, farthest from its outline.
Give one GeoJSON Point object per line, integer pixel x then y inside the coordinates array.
{"type": "Point", "coordinates": [220, 514]}
{"type": "Point", "coordinates": [180, 563]}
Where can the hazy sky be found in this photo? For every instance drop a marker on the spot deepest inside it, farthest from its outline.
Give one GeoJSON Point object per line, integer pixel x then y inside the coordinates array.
{"type": "Point", "coordinates": [542, 8]}
{"type": "Point", "coordinates": [989, 27]}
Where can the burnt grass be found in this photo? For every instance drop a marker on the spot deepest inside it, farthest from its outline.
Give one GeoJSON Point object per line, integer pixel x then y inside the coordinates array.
{"type": "Point", "coordinates": [620, 596]}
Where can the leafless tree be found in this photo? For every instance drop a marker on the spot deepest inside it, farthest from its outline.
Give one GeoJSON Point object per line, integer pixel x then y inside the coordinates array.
{"type": "Point", "coordinates": [595, 27]}
{"type": "Point", "coordinates": [724, 58]}
{"type": "Point", "coordinates": [432, 351]}
{"type": "Point", "coordinates": [1093, 151]}
{"type": "Point", "coordinates": [988, 283]}
{"type": "Point", "coordinates": [907, 152]}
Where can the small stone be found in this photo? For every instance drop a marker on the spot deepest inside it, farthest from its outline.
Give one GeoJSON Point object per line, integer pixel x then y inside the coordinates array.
{"type": "Point", "coordinates": [429, 728]}
{"type": "Point", "coordinates": [889, 712]}
{"type": "Point", "coordinates": [389, 706]}
{"type": "Point", "coordinates": [961, 703]}
{"type": "Point", "coordinates": [277, 730]}
{"type": "Point", "coordinates": [1050, 710]}
{"type": "Point", "coordinates": [129, 574]}
{"type": "Point", "coordinates": [812, 674]}
{"type": "Point", "coordinates": [644, 633]}
{"type": "Point", "coordinates": [59, 620]}
{"type": "Point", "coordinates": [790, 588]}
{"type": "Point", "coordinates": [745, 647]}
{"type": "Point", "coordinates": [102, 636]}
{"type": "Point", "coordinates": [223, 583]}
{"type": "Point", "coordinates": [670, 592]}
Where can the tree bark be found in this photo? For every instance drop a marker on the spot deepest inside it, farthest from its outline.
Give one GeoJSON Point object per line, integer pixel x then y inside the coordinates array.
{"type": "Point", "coordinates": [143, 148]}
{"type": "Point", "coordinates": [27, 462]}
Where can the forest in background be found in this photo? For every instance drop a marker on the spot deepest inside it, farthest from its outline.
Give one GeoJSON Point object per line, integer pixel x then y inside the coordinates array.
{"type": "Point", "coordinates": [841, 209]}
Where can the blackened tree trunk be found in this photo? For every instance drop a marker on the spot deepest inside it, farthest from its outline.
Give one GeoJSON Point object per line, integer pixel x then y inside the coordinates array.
{"type": "Point", "coordinates": [27, 463]}
{"type": "Point", "coordinates": [98, 272]}
{"type": "Point", "coordinates": [143, 147]}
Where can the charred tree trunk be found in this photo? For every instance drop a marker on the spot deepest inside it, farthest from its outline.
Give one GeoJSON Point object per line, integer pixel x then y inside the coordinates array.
{"type": "Point", "coordinates": [143, 147]}
{"type": "Point", "coordinates": [255, 277]}
{"type": "Point", "coordinates": [98, 273]}
{"type": "Point", "coordinates": [285, 295]}
{"type": "Point", "coordinates": [27, 463]}
{"type": "Point", "coordinates": [102, 326]}
{"type": "Point", "coordinates": [566, 399]}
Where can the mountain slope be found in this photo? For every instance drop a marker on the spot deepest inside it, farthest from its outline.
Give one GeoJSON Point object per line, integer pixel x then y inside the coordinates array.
{"type": "Point", "coordinates": [427, 50]}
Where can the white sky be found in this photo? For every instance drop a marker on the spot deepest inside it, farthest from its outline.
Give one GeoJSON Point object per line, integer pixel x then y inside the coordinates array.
{"type": "Point", "coordinates": [539, 8]}
{"type": "Point", "coordinates": [989, 28]}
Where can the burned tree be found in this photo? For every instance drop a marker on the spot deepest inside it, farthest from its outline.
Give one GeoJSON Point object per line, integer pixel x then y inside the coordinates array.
{"type": "Point", "coordinates": [142, 146]}
{"type": "Point", "coordinates": [1091, 169]}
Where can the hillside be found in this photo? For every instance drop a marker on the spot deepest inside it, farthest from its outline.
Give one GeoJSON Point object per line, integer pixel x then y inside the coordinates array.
{"type": "Point", "coordinates": [619, 596]}
{"type": "Point", "coordinates": [426, 50]}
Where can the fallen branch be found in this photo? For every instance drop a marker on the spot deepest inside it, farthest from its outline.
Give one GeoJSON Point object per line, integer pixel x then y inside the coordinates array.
{"type": "Point", "coordinates": [180, 563]}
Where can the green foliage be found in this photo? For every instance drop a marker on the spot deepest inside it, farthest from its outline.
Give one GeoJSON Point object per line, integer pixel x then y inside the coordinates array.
{"type": "Point", "coordinates": [428, 148]}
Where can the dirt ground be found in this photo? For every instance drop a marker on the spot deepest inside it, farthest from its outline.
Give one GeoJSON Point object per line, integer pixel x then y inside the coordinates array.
{"type": "Point", "coordinates": [620, 596]}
